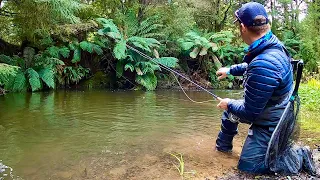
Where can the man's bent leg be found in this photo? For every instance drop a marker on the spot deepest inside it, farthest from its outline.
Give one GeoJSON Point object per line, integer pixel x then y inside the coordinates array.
{"type": "Point", "coordinates": [226, 134]}
{"type": "Point", "coordinates": [252, 159]}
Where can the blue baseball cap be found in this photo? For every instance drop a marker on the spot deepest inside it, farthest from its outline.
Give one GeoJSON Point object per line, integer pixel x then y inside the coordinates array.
{"type": "Point", "coordinates": [249, 12]}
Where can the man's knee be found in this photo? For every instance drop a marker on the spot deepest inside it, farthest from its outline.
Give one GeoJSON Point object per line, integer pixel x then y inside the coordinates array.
{"type": "Point", "coordinates": [252, 159]}
{"type": "Point", "coordinates": [254, 166]}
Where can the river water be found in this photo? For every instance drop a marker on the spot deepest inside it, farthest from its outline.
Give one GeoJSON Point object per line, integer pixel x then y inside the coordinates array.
{"type": "Point", "coordinates": [111, 135]}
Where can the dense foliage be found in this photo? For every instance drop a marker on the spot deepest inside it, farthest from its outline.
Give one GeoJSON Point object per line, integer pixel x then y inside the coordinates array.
{"type": "Point", "coordinates": [59, 43]}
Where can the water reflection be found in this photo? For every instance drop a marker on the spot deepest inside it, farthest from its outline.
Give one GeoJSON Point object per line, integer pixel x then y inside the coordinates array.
{"type": "Point", "coordinates": [44, 133]}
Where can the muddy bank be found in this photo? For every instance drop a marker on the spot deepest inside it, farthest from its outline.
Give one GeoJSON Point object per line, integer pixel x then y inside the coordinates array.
{"type": "Point", "coordinates": [201, 161]}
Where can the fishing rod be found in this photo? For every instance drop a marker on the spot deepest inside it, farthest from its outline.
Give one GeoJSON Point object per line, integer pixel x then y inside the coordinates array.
{"type": "Point", "coordinates": [172, 71]}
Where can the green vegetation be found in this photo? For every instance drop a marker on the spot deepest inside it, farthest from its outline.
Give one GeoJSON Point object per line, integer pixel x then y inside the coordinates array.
{"type": "Point", "coordinates": [310, 95]}
{"type": "Point", "coordinates": [180, 167]}
{"type": "Point", "coordinates": [63, 42]}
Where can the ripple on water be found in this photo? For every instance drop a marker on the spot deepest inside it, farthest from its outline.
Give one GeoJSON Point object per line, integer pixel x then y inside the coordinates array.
{"type": "Point", "coordinates": [43, 135]}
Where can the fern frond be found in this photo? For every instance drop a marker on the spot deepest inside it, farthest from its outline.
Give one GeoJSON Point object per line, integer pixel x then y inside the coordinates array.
{"type": "Point", "coordinates": [120, 49]}
{"type": "Point", "coordinates": [19, 83]}
{"type": "Point", "coordinates": [185, 45]}
{"type": "Point", "coordinates": [34, 79]}
{"type": "Point", "coordinates": [53, 51]}
{"type": "Point", "coordinates": [97, 49]}
{"type": "Point", "coordinates": [47, 76]}
{"type": "Point", "coordinates": [64, 51]}
{"type": "Point", "coordinates": [90, 47]}
{"type": "Point", "coordinates": [131, 23]}
{"type": "Point", "coordinates": [7, 72]}
{"type": "Point", "coordinates": [140, 43]}
{"type": "Point", "coordinates": [149, 81]}
{"type": "Point", "coordinates": [86, 46]}
{"type": "Point", "coordinates": [171, 62]}
{"type": "Point", "coordinates": [129, 66]}
{"type": "Point", "coordinates": [6, 59]}
{"type": "Point", "coordinates": [148, 26]}
{"type": "Point", "coordinates": [108, 25]}
{"type": "Point", "coordinates": [76, 55]}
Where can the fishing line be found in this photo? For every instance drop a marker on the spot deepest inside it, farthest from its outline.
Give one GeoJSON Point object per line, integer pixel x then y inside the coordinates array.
{"type": "Point", "coordinates": [175, 73]}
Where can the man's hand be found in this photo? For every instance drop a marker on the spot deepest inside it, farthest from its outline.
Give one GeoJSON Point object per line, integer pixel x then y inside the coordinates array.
{"type": "Point", "coordinates": [222, 73]}
{"type": "Point", "coordinates": [223, 104]}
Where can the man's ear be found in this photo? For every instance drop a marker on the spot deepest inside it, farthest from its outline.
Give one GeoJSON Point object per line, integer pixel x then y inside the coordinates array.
{"type": "Point", "coordinates": [243, 28]}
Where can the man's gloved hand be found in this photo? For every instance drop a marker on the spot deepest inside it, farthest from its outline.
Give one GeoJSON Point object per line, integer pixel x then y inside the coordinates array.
{"type": "Point", "coordinates": [223, 73]}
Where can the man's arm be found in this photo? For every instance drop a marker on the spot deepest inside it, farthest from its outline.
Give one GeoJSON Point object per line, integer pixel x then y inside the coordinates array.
{"type": "Point", "coordinates": [238, 69]}
{"type": "Point", "coordinates": [262, 79]}
{"type": "Point", "coordinates": [235, 70]}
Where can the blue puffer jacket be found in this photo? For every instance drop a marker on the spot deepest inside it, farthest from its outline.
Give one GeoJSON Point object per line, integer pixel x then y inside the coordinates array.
{"type": "Point", "coordinates": [268, 82]}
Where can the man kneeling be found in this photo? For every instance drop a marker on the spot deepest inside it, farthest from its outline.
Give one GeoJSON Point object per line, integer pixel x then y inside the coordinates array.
{"type": "Point", "coordinates": [268, 86]}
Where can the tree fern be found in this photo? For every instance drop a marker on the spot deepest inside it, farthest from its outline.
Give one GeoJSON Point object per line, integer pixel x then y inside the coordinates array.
{"type": "Point", "coordinates": [47, 76]}
{"type": "Point", "coordinates": [34, 79]}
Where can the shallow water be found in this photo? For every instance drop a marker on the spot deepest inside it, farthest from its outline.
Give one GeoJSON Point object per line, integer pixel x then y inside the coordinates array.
{"type": "Point", "coordinates": [108, 135]}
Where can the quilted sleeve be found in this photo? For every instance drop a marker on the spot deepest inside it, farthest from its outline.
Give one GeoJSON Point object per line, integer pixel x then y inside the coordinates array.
{"type": "Point", "coordinates": [262, 79]}
{"type": "Point", "coordinates": [238, 69]}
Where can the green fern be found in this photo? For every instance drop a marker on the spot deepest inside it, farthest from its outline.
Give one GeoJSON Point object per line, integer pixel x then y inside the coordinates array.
{"type": "Point", "coordinates": [109, 26]}
{"type": "Point", "coordinates": [53, 51]}
{"type": "Point", "coordinates": [86, 46]}
{"type": "Point", "coordinates": [74, 74]}
{"type": "Point", "coordinates": [129, 66]}
{"type": "Point", "coordinates": [147, 67]}
{"type": "Point", "coordinates": [47, 76]}
{"type": "Point", "coordinates": [6, 73]}
{"type": "Point", "coordinates": [149, 81]}
{"type": "Point", "coordinates": [76, 55]}
{"type": "Point", "coordinates": [18, 83]}
{"type": "Point", "coordinates": [90, 47]}
{"type": "Point", "coordinates": [120, 49]}
{"type": "Point", "coordinates": [199, 45]}
{"type": "Point", "coordinates": [150, 28]}
{"type": "Point", "coordinates": [168, 61]}
{"type": "Point", "coordinates": [130, 22]}
{"type": "Point", "coordinates": [64, 51]}
{"type": "Point", "coordinates": [34, 79]}
{"type": "Point", "coordinates": [6, 59]}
